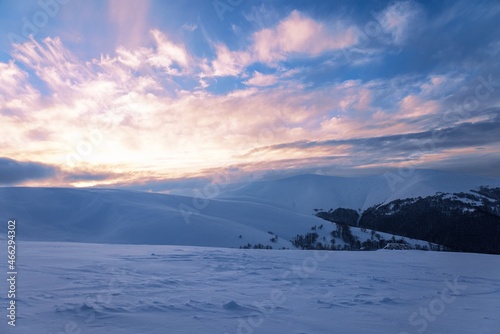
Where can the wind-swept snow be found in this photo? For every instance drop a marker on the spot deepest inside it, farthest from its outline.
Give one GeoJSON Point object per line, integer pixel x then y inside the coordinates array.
{"type": "Point", "coordinates": [94, 289]}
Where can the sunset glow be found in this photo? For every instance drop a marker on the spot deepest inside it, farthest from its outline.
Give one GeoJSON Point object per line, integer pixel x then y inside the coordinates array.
{"type": "Point", "coordinates": [102, 93]}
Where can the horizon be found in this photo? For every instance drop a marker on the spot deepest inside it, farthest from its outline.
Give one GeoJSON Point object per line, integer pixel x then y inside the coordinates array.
{"type": "Point", "coordinates": [158, 96]}
{"type": "Point", "coordinates": [211, 187]}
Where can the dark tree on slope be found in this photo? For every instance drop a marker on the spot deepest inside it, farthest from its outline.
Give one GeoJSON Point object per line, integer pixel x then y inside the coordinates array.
{"type": "Point", "coordinates": [340, 215]}
{"type": "Point", "coordinates": [439, 220]}
{"type": "Point", "coordinates": [307, 241]}
{"type": "Point", "coordinates": [344, 232]}
{"type": "Point", "coordinates": [452, 220]}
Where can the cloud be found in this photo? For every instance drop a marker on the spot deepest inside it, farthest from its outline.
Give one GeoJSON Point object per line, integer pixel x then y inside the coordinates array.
{"type": "Point", "coordinates": [381, 150]}
{"type": "Point", "coordinates": [18, 172]}
{"type": "Point", "coordinates": [16, 93]}
{"type": "Point", "coordinates": [147, 119]}
{"type": "Point", "coordinates": [414, 106]}
{"type": "Point", "coordinates": [296, 36]}
{"type": "Point", "coordinates": [476, 162]}
{"type": "Point", "coordinates": [82, 176]}
{"type": "Point", "coordinates": [14, 172]}
{"type": "Point", "coordinates": [52, 63]}
{"type": "Point", "coordinates": [168, 108]}
{"type": "Point", "coordinates": [399, 19]}
{"type": "Point", "coordinates": [455, 150]}
{"type": "Point", "coordinates": [227, 62]}
{"type": "Point", "coordinates": [262, 80]}
{"type": "Point", "coordinates": [169, 54]}
{"type": "Point", "coordinates": [189, 27]}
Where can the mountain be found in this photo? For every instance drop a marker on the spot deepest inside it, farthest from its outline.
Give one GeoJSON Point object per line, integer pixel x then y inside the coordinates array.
{"type": "Point", "coordinates": [283, 213]}
{"type": "Point", "coordinates": [304, 193]}
{"type": "Point", "coordinates": [460, 212]}
{"type": "Point", "coordinates": [461, 221]}
{"type": "Point", "coordinates": [121, 216]}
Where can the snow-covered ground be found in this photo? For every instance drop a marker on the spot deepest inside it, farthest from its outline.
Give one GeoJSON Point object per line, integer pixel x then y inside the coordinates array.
{"type": "Point", "coordinates": [121, 216]}
{"type": "Point", "coordinates": [94, 288]}
{"type": "Point", "coordinates": [221, 217]}
{"type": "Point", "coordinates": [170, 286]}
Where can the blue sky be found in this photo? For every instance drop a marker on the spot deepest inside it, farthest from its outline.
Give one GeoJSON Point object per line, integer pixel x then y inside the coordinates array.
{"type": "Point", "coordinates": [137, 93]}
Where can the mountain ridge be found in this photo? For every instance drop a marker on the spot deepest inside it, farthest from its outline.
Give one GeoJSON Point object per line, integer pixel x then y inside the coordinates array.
{"type": "Point", "coordinates": [269, 213]}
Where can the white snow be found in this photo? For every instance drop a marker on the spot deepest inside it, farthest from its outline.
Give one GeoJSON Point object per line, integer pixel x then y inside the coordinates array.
{"type": "Point", "coordinates": [93, 288]}
{"type": "Point", "coordinates": [304, 193]}
{"type": "Point", "coordinates": [121, 216]}
{"type": "Point", "coordinates": [170, 286]}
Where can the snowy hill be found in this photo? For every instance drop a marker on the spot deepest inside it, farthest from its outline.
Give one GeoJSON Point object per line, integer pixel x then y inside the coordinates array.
{"type": "Point", "coordinates": [266, 213]}
{"type": "Point", "coordinates": [304, 193]}
{"type": "Point", "coordinates": [121, 216]}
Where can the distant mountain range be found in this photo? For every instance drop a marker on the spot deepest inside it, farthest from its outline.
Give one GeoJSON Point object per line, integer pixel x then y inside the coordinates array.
{"type": "Point", "coordinates": [451, 211]}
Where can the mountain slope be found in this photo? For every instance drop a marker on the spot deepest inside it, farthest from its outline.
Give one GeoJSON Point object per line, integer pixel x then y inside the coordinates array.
{"type": "Point", "coordinates": [120, 216]}
{"type": "Point", "coordinates": [304, 193]}
{"type": "Point", "coordinates": [461, 221]}
{"type": "Point", "coordinates": [266, 213]}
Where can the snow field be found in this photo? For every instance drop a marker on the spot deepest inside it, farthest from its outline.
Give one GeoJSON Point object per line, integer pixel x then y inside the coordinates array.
{"type": "Point", "coordinates": [93, 288]}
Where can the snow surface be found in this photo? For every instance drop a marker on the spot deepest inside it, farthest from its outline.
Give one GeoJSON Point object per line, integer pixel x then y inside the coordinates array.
{"type": "Point", "coordinates": [102, 287]}
{"type": "Point", "coordinates": [95, 288]}
{"type": "Point", "coordinates": [304, 193]}
{"type": "Point", "coordinates": [234, 218]}
{"type": "Point", "coordinates": [121, 216]}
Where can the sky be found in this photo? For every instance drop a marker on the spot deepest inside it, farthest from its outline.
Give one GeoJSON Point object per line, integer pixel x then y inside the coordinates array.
{"type": "Point", "coordinates": [152, 94]}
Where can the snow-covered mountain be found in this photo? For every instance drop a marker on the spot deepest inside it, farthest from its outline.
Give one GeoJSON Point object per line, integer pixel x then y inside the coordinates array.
{"type": "Point", "coordinates": [120, 216]}
{"type": "Point", "coordinates": [266, 213]}
{"type": "Point", "coordinates": [304, 193]}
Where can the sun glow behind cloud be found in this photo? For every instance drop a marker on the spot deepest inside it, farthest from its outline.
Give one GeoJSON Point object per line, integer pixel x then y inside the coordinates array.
{"type": "Point", "coordinates": [160, 106]}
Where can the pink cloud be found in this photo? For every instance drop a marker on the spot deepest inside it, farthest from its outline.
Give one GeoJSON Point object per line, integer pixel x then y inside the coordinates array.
{"type": "Point", "coordinates": [299, 34]}
{"type": "Point", "coordinates": [16, 93]}
{"type": "Point", "coordinates": [168, 54]}
{"type": "Point", "coordinates": [262, 80]}
{"type": "Point", "coordinates": [52, 63]}
{"type": "Point", "coordinates": [151, 127]}
{"type": "Point", "coordinates": [414, 106]}
{"type": "Point", "coordinates": [228, 63]}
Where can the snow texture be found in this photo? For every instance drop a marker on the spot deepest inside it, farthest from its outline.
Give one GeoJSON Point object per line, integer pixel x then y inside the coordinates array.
{"type": "Point", "coordinates": [92, 288]}
{"type": "Point", "coordinates": [75, 277]}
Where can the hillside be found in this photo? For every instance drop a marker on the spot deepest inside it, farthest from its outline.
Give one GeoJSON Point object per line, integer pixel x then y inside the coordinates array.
{"type": "Point", "coordinates": [121, 216]}
{"type": "Point", "coordinates": [304, 193]}
{"type": "Point", "coordinates": [278, 213]}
